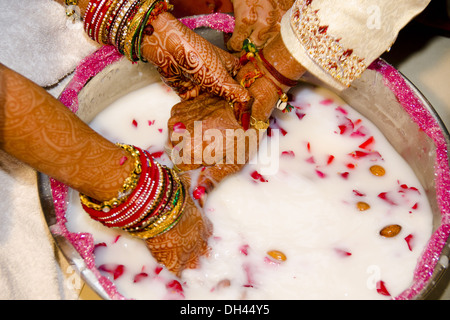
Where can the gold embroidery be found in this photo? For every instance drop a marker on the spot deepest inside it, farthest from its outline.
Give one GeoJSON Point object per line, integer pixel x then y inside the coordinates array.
{"type": "Point", "coordinates": [322, 48]}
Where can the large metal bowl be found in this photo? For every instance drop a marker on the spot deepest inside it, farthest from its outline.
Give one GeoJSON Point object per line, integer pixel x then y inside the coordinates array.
{"type": "Point", "coordinates": [369, 95]}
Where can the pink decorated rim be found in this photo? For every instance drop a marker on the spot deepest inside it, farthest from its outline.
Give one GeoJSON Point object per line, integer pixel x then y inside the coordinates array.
{"type": "Point", "coordinates": [106, 55]}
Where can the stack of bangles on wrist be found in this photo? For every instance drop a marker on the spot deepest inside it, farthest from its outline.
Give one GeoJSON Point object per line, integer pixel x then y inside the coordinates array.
{"type": "Point", "coordinates": [254, 55]}
{"type": "Point", "coordinates": [123, 23]}
{"type": "Point", "coordinates": [150, 203]}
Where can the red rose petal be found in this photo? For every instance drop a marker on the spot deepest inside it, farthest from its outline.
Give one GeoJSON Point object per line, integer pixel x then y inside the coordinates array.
{"type": "Point", "coordinates": [326, 102]}
{"type": "Point", "coordinates": [116, 238]}
{"type": "Point", "coordinates": [308, 146]}
{"type": "Point", "coordinates": [122, 160]}
{"type": "Point", "coordinates": [384, 196]}
{"type": "Point", "coordinates": [300, 115]}
{"type": "Point", "coordinates": [321, 174]}
{"type": "Point", "coordinates": [158, 270]}
{"type": "Point", "coordinates": [157, 154]}
{"type": "Point", "coordinates": [359, 194]}
{"type": "Point", "coordinates": [134, 123]}
{"type": "Point", "coordinates": [175, 286]}
{"type": "Point", "coordinates": [257, 176]}
{"type": "Point", "coordinates": [311, 160]}
{"type": "Point", "coordinates": [179, 127]}
{"type": "Point", "coordinates": [139, 277]}
{"type": "Point", "coordinates": [409, 238]}
{"type": "Point", "coordinates": [342, 129]}
{"type": "Point", "coordinates": [244, 249]}
{"type": "Point", "coordinates": [116, 270]}
{"type": "Point", "coordinates": [381, 288]}
{"type": "Point", "coordinates": [342, 253]}
{"type": "Point", "coordinates": [330, 159]}
{"type": "Point", "coordinates": [100, 244]}
{"type": "Point", "coordinates": [199, 192]}
{"type": "Point", "coordinates": [367, 144]}
{"type": "Point", "coordinates": [289, 153]}
{"type": "Point", "coordinates": [248, 273]}
{"type": "Point", "coordinates": [342, 110]}
{"type": "Point", "coordinates": [350, 166]}
{"type": "Point", "coordinates": [344, 175]}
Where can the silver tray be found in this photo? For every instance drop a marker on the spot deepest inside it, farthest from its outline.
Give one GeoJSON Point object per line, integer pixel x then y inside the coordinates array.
{"type": "Point", "coordinates": [368, 95]}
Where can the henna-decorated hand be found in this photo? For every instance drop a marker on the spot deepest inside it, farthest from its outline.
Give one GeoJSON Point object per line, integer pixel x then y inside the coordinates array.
{"type": "Point", "coordinates": [258, 20]}
{"type": "Point", "coordinates": [189, 63]}
{"type": "Point", "coordinates": [205, 134]}
{"type": "Point", "coordinates": [198, 137]}
{"type": "Point", "coordinates": [216, 114]}
{"type": "Point", "coordinates": [182, 247]}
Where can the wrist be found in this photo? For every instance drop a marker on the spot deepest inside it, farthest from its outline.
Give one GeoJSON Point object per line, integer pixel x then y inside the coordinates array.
{"type": "Point", "coordinates": [150, 202]}
{"type": "Point", "coordinates": [277, 56]}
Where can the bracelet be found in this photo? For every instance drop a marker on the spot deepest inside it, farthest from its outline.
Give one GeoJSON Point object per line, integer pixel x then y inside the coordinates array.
{"type": "Point", "coordinates": [122, 23]}
{"type": "Point", "coordinates": [158, 8]}
{"type": "Point", "coordinates": [251, 53]}
{"type": "Point", "coordinates": [134, 26]}
{"type": "Point", "coordinates": [278, 76]}
{"type": "Point", "coordinates": [150, 203]}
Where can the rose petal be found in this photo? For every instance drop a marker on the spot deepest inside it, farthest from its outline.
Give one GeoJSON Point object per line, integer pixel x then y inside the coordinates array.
{"type": "Point", "coordinates": [244, 249]}
{"type": "Point", "coordinates": [175, 286]}
{"type": "Point", "coordinates": [179, 127]}
{"type": "Point", "coordinates": [367, 144]}
{"type": "Point", "coordinates": [409, 238]}
{"type": "Point", "coordinates": [139, 277]}
{"type": "Point", "coordinates": [257, 176]}
{"type": "Point", "coordinates": [381, 288]}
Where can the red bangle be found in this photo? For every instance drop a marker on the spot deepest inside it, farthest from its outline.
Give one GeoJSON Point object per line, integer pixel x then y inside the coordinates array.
{"type": "Point", "coordinates": [161, 202]}
{"type": "Point", "coordinates": [134, 210]}
{"type": "Point", "coordinates": [99, 20]}
{"type": "Point", "coordinates": [278, 76]}
{"type": "Point", "coordinates": [91, 19]}
{"type": "Point", "coordinates": [111, 214]}
{"type": "Point", "coordinates": [90, 9]}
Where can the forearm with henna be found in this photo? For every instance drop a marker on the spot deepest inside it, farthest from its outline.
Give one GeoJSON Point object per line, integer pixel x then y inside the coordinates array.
{"type": "Point", "coordinates": [38, 130]}
{"type": "Point", "coordinates": [189, 63]}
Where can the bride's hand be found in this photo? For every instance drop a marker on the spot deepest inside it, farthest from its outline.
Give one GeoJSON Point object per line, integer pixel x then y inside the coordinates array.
{"type": "Point", "coordinates": [182, 247]}
{"type": "Point", "coordinates": [190, 64]}
{"type": "Point", "coordinates": [257, 20]}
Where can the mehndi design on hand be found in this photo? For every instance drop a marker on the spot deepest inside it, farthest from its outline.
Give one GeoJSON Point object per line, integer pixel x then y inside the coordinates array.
{"type": "Point", "coordinates": [190, 64]}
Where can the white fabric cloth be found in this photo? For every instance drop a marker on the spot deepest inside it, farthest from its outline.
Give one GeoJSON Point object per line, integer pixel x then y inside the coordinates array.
{"type": "Point", "coordinates": [337, 40]}
{"type": "Point", "coordinates": [40, 43]}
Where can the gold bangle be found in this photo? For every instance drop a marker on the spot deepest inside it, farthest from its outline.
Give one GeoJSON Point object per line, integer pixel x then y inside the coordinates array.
{"type": "Point", "coordinates": [128, 186]}
{"type": "Point", "coordinates": [102, 36]}
{"type": "Point", "coordinates": [166, 220]}
{"type": "Point", "coordinates": [145, 5]}
{"type": "Point", "coordinates": [259, 124]}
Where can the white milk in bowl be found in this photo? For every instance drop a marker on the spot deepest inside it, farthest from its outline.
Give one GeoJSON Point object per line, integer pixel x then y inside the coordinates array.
{"type": "Point", "coordinates": [320, 226]}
